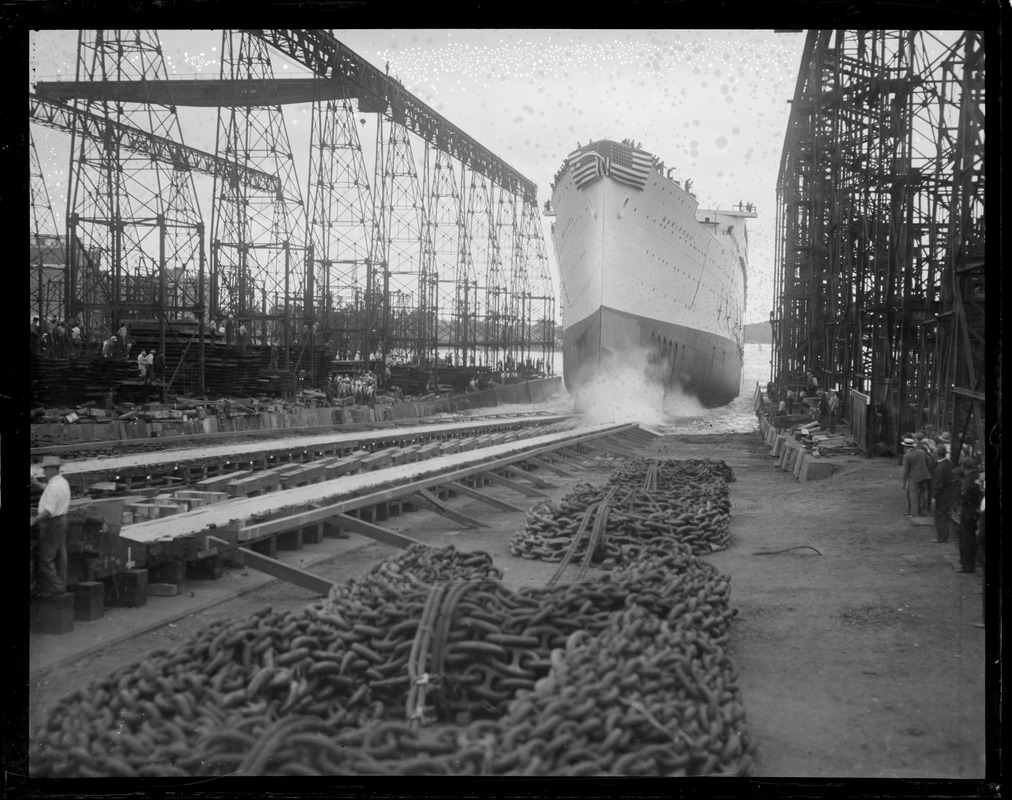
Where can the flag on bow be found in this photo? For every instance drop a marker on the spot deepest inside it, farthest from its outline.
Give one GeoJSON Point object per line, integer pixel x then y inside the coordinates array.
{"type": "Point", "coordinates": [630, 166]}
{"type": "Point", "coordinates": [586, 166]}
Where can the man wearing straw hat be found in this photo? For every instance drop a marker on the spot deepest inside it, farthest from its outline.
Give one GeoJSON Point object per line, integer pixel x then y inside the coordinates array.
{"type": "Point", "coordinates": [52, 524]}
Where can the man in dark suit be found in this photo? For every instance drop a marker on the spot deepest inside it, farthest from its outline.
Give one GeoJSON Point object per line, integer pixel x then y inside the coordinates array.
{"type": "Point", "coordinates": [942, 490]}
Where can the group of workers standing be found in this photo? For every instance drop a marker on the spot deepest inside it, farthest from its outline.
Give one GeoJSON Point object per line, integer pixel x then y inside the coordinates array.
{"type": "Point", "coordinates": [949, 485]}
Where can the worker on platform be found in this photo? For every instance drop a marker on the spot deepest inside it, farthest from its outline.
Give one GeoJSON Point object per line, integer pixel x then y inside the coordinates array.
{"type": "Point", "coordinates": [142, 365]}
{"type": "Point", "coordinates": [51, 520]}
{"type": "Point", "coordinates": [943, 484]}
{"type": "Point", "coordinates": [149, 361]}
{"type": "Point", "coordinates": [915, 470]}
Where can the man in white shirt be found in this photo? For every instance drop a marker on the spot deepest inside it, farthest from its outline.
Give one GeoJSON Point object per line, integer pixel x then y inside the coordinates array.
{"type": "Point", "coordinates": [52, 523]}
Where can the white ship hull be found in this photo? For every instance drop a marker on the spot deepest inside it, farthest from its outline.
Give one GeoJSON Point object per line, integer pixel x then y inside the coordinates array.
{"type": "Point", "coordinates": [649, 277]}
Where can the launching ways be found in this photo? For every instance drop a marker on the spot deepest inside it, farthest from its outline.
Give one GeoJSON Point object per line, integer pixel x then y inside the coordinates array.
{"type": "Point", "coordinates": [248, 529]}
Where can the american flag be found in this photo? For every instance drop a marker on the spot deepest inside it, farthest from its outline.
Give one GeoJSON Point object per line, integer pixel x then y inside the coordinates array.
{"type": "Point", "coordinates": [586, 166]}
{"type": "Point", "coordinates": [630, 166]}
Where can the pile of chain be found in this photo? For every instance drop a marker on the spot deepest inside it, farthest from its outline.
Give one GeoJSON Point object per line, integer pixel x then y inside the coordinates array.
{"type": "Point", "coordinates": [428, 665]}
{"type": "Point", "coordinates": [647, 504]}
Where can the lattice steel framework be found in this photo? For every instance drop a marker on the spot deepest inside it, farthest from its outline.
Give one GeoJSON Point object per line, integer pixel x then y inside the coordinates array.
{"type": "Point", "coordinates": [47, 251]}
{"type": "Point", "coordinates": [539, 338]}
{"type": "Point", "coordinates": [483, 250]}
{"type": "Point", "coordinates": [340, 225]}
{"type": "Point", "coordinates": [879, 263]}
{"type": "Point", "coordinates": [134, 231]}
{"type": "Point", "coordinates": [450, 257]}
{"type": "Point", "coordinates": [261, 272]}
{"type": "Point", "coordinates": [401, 295]}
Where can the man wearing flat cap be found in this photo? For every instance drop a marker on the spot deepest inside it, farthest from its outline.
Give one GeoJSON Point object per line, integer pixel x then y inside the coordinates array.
{"type": "Point", "coordinates": [52, 524]}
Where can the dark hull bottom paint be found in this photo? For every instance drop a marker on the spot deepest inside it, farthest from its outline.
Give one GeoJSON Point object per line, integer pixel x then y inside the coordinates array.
{"type": "Point", "coordinates": [701, 364]}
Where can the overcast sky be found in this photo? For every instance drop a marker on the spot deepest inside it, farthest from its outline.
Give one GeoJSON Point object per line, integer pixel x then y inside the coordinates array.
{"type": "Point", "coordinates": [711, 103]}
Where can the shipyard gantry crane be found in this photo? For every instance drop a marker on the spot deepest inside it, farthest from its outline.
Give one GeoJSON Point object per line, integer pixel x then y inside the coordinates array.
{"type": "Point", "coordinates": [402, 266]}
{"type": "Point", "coordinates": [879, 277]}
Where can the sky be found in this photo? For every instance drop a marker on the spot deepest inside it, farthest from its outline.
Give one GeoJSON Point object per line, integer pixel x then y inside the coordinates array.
{"type": "Point", "coordinates": [713, 104]}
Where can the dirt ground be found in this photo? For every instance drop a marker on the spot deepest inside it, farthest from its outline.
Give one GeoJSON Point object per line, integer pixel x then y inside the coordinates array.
{"type": "Point", "coordinates": [861, 660]}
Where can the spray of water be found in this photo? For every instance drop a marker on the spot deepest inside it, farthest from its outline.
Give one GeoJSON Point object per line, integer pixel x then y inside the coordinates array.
{"type": "Point", "coordinates": [627, 388]}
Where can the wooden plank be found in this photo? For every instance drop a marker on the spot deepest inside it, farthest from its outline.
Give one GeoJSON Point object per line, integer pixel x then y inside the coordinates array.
{"type": "Point", "coordinates": [345, 465]}
{"type": "Point", "coordinates": [516, 487]}
{"type": "Point", "coordinates": [277, 569]}
{"type": "Point", "coordinates": [347, 523]}
{"type": "Point", "coordinates": [426, 498]}
{"type": "Point", "coordinates": [557, 470]}
{"type": "Point", "coordinates": [323, 513]}
{"type": "Point", "coordinates": [259, 481]}
{"type": "Point", "coordinates": [612, 448]}
{"type": "Point", "coordinates": [571, 460]}
{"type": "Point", "coordinates": [220, 481]}
{"type": "Point", "coordinates": [460, 488]}
{"type": "Point", "coordinates": [541, 483]}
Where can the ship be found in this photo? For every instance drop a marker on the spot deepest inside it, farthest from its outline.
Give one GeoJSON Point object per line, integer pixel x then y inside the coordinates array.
{"type": "Point", "coordinates": [648, 278]}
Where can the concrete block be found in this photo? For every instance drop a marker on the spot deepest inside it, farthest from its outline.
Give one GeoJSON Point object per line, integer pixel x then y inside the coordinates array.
{"type": "Point", "coordinates": [815, 469]}
{"type": "Point", "coordinates": [796, 467]}
{"type": "Point", "coordinates": [89, 603]}
{"type": "Point", "coordinates": [52, 614]}
{"type": "Point", "coordinates": [163, 589]}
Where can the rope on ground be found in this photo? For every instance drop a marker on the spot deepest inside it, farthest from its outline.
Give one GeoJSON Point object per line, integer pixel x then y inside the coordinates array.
{"type": "Point", "coordinates": [785, 550]}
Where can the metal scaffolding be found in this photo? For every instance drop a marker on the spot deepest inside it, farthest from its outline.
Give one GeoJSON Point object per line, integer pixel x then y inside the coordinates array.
{"type": "Point", "coordinates": [261, 276]}
{"type": "Point", "coordinates": [134, 229]}
{"type": "Point", "coordinates": [403, 266]}
{"type": "Point", "coordinates": [340, 224]}
{"type": "Point", "coordinates": [879, 274]}
{"type": "Point", "coordinates": [47, 248]}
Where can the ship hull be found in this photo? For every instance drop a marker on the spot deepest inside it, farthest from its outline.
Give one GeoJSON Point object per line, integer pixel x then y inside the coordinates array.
{"type": "Point", "coordinates": [650, 281]}
{"type": "Point", "coordinates": [692, 361]}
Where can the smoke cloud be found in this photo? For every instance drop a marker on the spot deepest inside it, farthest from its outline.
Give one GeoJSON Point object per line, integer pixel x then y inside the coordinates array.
{"type": "Point", "coordinates": [627, 388]}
